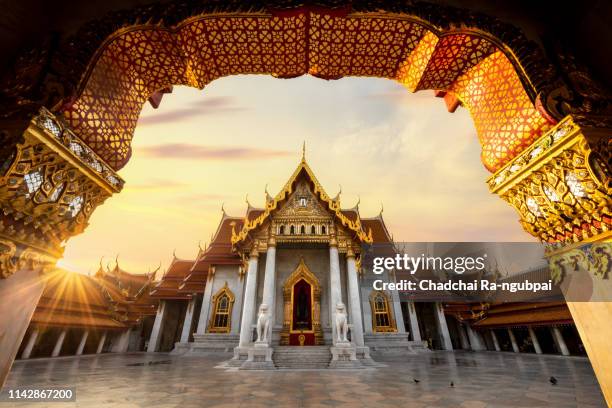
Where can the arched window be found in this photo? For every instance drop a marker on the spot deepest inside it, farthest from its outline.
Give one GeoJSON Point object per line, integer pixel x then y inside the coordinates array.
{"type": "Point", "coordinates": [221, 319]}
{"type": "Point", "coordinates": [292, 230]}
{"type": "Point", "coordinates": [281, 230]}
{"type": "Point", "coordinates": [323, 231]}
{"type": "Point", "coordinates": [302, 230]}
{"type": "Point", "coordinates": [313, 230]}
{"type": "Point", "coordinates": [382, 321]}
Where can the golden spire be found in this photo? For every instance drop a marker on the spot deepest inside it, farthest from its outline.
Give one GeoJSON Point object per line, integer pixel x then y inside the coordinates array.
{"type": "Point", "coordinates": [304, 151]}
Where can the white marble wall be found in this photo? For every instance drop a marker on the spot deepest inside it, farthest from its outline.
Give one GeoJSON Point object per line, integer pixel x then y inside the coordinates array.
{"type": "Point", "coordinates": [229, 274]}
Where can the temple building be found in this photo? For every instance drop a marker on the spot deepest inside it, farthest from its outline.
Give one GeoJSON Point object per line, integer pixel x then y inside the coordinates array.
{"type": "Point", "coordinates": [289, 275]}
{"type": "Point", "coordinates": [111, 311]}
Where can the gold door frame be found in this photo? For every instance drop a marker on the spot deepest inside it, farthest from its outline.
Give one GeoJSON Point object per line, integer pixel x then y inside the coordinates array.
{"type": "Point", "coordinates": [302, 272]}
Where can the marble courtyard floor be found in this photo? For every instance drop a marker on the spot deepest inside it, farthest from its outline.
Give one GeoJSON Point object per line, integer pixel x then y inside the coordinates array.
{"type": "Point", "coordinates": [485, 379]}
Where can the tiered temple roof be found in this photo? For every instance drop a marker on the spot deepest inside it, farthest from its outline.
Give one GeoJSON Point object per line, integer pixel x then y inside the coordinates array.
{"type": "Point", "coordinates": [108, 300]}
{"type": "Point", "coordinates": [185, 278]}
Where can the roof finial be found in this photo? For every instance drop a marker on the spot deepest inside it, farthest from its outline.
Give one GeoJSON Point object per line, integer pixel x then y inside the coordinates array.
{"type": "Point", "coordinates": [223, 208]}
{"type": "Point", "coordinates": [304, 151]}
{"type": "Point", "coordinates": [246, 199]}
{"type": "Point", "coordinates": [117, 263]}
{"type": "Point", "coordinates": [174, 253]}
{"type": "Point", "coordinates": [381, 209]}
{"type": "Point", "coordinates": [358, 202]}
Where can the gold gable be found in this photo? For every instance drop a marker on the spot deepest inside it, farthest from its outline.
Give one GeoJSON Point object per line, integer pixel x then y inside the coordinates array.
{"type": "Point", "coordinates": [274, 205]}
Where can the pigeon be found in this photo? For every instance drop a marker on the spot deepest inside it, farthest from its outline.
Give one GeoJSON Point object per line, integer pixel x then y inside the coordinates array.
{"type": "Point", "coordinates": [553, 380]}
{"type": "Point", "coordinates": [452, 384]}
{"type": "Point", "coordinates": [416, 381]}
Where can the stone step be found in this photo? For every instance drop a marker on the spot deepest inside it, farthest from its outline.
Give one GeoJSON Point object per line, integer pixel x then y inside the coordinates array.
{"type": "Point", "coordinates": [306, 357]}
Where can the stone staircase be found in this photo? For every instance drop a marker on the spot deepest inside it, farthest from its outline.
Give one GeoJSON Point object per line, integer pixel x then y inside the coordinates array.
{"type": "Point", "coordinates": [306, 357]}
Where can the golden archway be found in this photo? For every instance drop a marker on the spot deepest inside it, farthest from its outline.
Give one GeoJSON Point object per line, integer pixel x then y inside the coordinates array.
{"type": "Point", "coordinates": [301, 273]}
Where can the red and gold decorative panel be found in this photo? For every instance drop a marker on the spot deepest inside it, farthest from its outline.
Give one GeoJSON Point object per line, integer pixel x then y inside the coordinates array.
{"type": "Point", "coordinates": [139, 61]}
{"type": "Point", "coordinates": [360, 46]}
{"type": "Point", "coordinates": [505, 118]}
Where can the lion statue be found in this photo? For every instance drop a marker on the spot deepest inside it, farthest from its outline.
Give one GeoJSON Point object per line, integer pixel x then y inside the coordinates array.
{"type": "Point", "coordinates": [263, 323]}
{"type": "Point", "coordinates": [341, 326]}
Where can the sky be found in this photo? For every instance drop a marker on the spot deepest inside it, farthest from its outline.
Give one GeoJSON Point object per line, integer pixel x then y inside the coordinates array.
{"type": "Point", "coordinates": [379, 143]}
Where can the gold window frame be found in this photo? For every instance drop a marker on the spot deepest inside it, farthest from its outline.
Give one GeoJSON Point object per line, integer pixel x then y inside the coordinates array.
{"type": "Point", "coordinates": [391, 327]}
{"type": "Point", "coordinates": [212, 327]}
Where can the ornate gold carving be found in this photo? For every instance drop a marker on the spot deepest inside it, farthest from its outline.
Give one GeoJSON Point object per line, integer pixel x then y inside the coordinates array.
{"type": "Point", "coordinates": [11, 260]}
{"type": "Point", "coordinates": [561, 186]}
{"type": "Point", "coordinates": [302, 272]}
{"type": "Point", "coordinates": [274, 204]}
{"type": "Point", "coordinates": [595, 258]}
{"type": "Point", "coordinates": [8, 264]}
{"type": "Point", "coordinates": [50, 186]}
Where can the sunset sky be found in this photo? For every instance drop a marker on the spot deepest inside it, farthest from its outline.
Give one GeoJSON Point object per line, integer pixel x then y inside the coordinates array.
{"type": "Point", "coordinates": [201, 149]}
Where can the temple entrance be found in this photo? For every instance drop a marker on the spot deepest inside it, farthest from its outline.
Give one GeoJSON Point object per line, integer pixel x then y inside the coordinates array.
{"type": "Point", "coordinates": [302, 298]}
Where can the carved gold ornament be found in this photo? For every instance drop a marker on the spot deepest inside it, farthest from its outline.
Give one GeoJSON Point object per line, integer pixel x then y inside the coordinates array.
{"type": "Point", "coordinates": [561, 186]}
{"type": "Point", "coordinates": [49, 186]}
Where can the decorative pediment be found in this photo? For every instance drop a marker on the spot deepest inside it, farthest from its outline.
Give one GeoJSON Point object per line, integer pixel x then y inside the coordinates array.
{"type": "Point", "coordinates": [283, 200]}
{"type": "Point", "coordinates": [302, 203]}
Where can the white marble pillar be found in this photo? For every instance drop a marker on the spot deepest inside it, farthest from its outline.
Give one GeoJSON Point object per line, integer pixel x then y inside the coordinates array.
{"type": "Point", "coordinates": [335, 284]}
{"type": "Point", "coordinates": [475, 339]}
{"type": "Point", "coordinates": [495, 341]}
{"type": "Point", "coordinates": [397, 310]}
{"type": "Point", "coordinates": [354, 301]}
{"type": "Point", "coordinates": [123, 341]}
{"type": "Point", "coordinates": [206, 305]}
{"type": "Point", "coordinates": [558, 337]}
{"type": "Point", "coordinates": [82, 343]}
{"type": "Point", "coordinates": [27, 351]}
{"type": "Point", "coordinates": [248, 304]}
{"type": "Point", "coordinates": [442, 326]}
{"type": "Point", "coordinates": [269, 283]}
{"type": "Point", "coordinates": [188, 320]}
{"type": "Point", "coordinates": [158, 326]}
{"type": "Point", "coordinates": [414, 322]}
{"type": "Point", "coordinates": [534, 340]}
{"type": "Point", "coordinates": [515, 346]}
{"type": "Point", "coordinates": [465, 343]}
{"type": "Point", "coordinates": [101, 343]}
{"type": "Point", "coordinates": [58, 344]}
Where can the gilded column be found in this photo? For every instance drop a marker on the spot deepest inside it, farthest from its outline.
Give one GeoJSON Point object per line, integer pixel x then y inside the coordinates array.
{"type": "Point", "coordinates": [58, 344]}
{"type": "Point", "coordinates": [248, 305]}
{"type": "Point", "coordinates": [82, 343]}
{"type": "Point", "coordinates": [269, 284]}
{"type": "Point", "coordinates": [27, 351]}
{"type": "Point", "coordinates": [354, 301]}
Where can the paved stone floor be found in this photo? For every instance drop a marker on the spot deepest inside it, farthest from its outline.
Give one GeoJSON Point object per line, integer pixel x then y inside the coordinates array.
{"type": "Point", "coordinates": [484, 379]}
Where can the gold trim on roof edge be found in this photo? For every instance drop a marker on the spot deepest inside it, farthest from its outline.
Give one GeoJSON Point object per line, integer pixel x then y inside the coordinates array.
{"type": "Point", "coordinates": [332, 204]}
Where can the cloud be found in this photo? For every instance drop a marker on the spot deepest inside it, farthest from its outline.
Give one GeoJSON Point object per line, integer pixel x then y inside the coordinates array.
{"type": "Point", "coordinates": [196, 152]}
{"type": "Point", "coordinates": [207, 106]}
